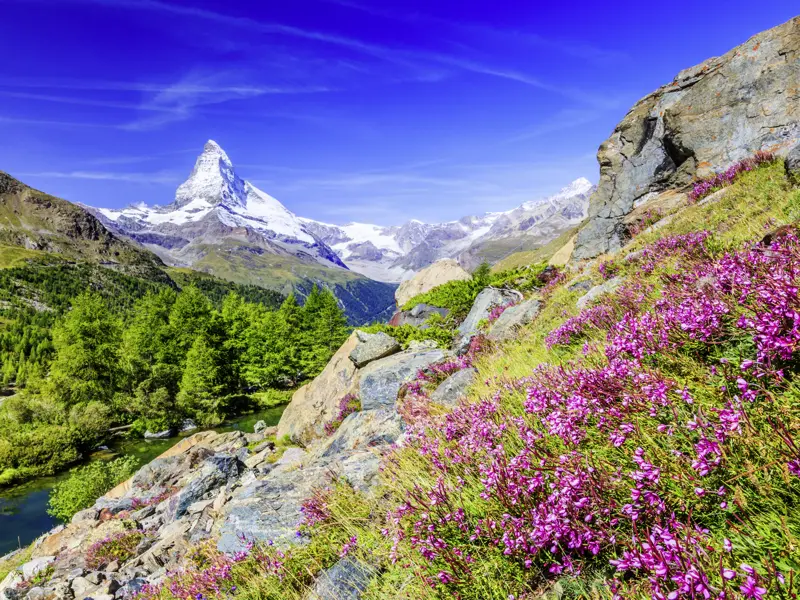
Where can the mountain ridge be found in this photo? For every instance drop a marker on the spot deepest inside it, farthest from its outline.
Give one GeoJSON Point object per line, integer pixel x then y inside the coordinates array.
{"type": "Point", "coordinates": [216, 203]}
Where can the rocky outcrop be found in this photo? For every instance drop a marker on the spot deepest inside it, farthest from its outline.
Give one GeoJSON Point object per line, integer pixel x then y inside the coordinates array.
{"type": "Point", "coordinates": [317, 402]}
{"type": "Point", "coordinates": [455, 387]}
{"type": "Point", "coordinates": [599, 290]}
{"type": "Point", "coordinates": [513, 318]}
{"type": "Point", "coordinates": [428, 278]}
{"type": "Point", "coordinates": [380, 381]}
{"type": "Point", "coordinates": [346, 580]}
{"type": "Point", "coordinates": [710, 116]}
{"type": "Point", "coordinates": [371, 347]}
{"type": "Point", "coordinates": [481, 308]}
{"type": "Point", "coordinates": [793, 165]}
{"type": "Point", "coordinates": [417, 316]}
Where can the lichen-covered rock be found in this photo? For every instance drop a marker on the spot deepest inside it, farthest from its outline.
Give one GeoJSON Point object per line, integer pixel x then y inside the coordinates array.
{"type": "Point", "coordinates": [604, 288]}
{"type": "Point", "coordinates": [430, 277]}
{"type": "Point", "coordinates": [507, 324]}
{"type": "Point", "coordinates": [371, 347]}
{"type": "Point", "coordinates": [317, 403]}
{"type": "Point", "coordinates": [455, 387]}
{"type": "Point", "coordinates": [346, 580]}
{"type": "Point", "coordinates": [418, 316]}
{"type": "Point", "coordinates": [710, 116]}
{"type": "Point", "coordinates": [380, 381]}
{"type": "Point", "coordinates": [367, 428]}
{"type": "Point", "coordinates": [269, 509]}
{"type": "Point", "coordinates": [481, 308]}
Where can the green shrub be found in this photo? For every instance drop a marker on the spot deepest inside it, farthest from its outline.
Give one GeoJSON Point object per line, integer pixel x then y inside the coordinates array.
{"type": "Point", "coordinates": [118, 547]}
{"type": "Point", "coordinates": [458, 296]}
{"type": "Point", "coordinates": [405, 334]}
{"type": "Point", "coordinates": [85, 484]}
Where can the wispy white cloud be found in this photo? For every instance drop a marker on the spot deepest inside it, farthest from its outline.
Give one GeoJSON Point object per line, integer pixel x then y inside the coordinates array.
{"type": "Point", "coordinates": [159, 177]}
{"type": "Point", "coordinates": [427, 64]}
{"type": "Point", "coordinates": [587, 52]}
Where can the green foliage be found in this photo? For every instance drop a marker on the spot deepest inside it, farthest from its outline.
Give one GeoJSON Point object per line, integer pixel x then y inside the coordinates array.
{"type": "Point", "coordinates": [85, 484]}
{"type": "Point", "coordinates": [270, 398]}
{"type": "Point", "coordinates": [166, 357]}
{"type": "Point", "coordinates": [405, 334]}
{"type": "Point", "coordinates": [119, 547]}
{"type": "Point", "coordinates": [86, 342]}
{"type": "Point", "coordinates": [458, 296]}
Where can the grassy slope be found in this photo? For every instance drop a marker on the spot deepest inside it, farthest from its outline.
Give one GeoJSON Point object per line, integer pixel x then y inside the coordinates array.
{"type": "Point", "coordinates": [34, 220]}
{"type": "Point", "coordinates": [759, 201]}
{"type": "Point", "coordinates": [529, 257]}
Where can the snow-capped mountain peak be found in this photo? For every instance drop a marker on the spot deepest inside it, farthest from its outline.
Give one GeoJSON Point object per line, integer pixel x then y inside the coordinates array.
{"type": "Point", "coordinates": [212, 180]}
{"type": "Point", "coordinates": [215, 204]}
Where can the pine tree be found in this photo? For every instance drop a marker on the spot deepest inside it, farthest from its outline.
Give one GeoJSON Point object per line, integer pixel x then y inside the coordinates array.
{"type": "Point", "coordinates": [188, 318]}
{"type": "Point", "coordinates": [86, 342]}
{"type": "Point", "coordinates": [200, 389]}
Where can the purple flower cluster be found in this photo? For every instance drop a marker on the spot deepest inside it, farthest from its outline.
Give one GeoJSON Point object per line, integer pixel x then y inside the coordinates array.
{"type": "Point", "coordinates": [347, 406]}
{"type": "Point", "coordinates": [610, 460]}
{"type": "Point", "coordinates": [498, 310]}
{"type": "Point", "coordinates": [214, 573]}
{"type": "Point", "coordinates": [608, 269]}
{"type": "Point", "coordinates": [707, 186]}
{"type": "Point", "coordinates": [649, 218]}
{"type": "Point", "coordinates": [117, 547]}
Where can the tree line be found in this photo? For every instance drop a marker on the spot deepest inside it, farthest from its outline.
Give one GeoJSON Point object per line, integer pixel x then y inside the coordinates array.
{"type": "Point", "coordinates": [171, 356]}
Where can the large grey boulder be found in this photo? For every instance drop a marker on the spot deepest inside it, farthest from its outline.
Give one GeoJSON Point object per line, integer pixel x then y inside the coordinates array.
{"type": "Point", "coordinates": [455, 387]}
{"type": "Point", "coordinates": [793, 165]}
{"type": "Point", "coordinates": [599, 290]}
{"type": "Point", "coordinates": [212, 474]}
{"type": "Point", "coordinates": [269, 509]}
{"type": "Point", "coordinates": [481, 308]}
{"type": "Point", "coordinates": [710, 116]}
{"type": "Point", "coordinates": [381, 380]}
{"type": "Point", "coordinates": [32, 567]}
{"type": "Point", "coordinates": [418, 316]}
{"type": "Point", "coordinates": [346, 580]}
{"type": "Point", "coordinates": [506, 326]}
{"type": "Point", "coordinates": [315, 404]}
{"type": "Point", "coordinates": [367, 428]}
{"type": "Point", "coordinates": [373, 346]}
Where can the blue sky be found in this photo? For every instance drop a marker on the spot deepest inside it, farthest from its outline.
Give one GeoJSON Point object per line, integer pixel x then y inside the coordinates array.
{"type": "Point", "coordinates": [368, 110]}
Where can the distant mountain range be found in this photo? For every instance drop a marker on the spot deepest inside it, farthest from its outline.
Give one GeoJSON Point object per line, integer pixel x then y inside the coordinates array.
{"type": "Point", "coordinates": [222, 224]}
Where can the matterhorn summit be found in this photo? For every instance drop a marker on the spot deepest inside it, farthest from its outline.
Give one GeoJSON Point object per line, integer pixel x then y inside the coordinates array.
{"type": "Point", "coordinates": [213, 180]}
{"type": "Point", "coordinates": [216, 207]}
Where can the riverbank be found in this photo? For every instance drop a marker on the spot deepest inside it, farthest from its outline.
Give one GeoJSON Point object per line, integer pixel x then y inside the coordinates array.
{"type": "Point", "coordinates": [23, 508]}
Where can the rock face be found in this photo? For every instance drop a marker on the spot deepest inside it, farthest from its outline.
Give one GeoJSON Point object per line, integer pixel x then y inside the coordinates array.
{"type": "Point", "coordinates": [710, 116]}
{"type": "Point", "coordinates": [455, 387]}
{"type": "Point", "coordinates": [418, 315]}
{"type": "Point", "coordinates": [346, 580]}
{"type": "Point", "coordinates": [428, 278]}
{"type": "Point", "coordinates": [514, 317]}
{"type": "Point", "coordinates": [316, 403]}
{"type": "Point", "coordinates": [604, 288]}
{"type": "Point", "coordinates": [486, 300]}
{"type": "Point", "coordinates": [380, 381]}
{"type": "Point", "coordinates": [372, 346]}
